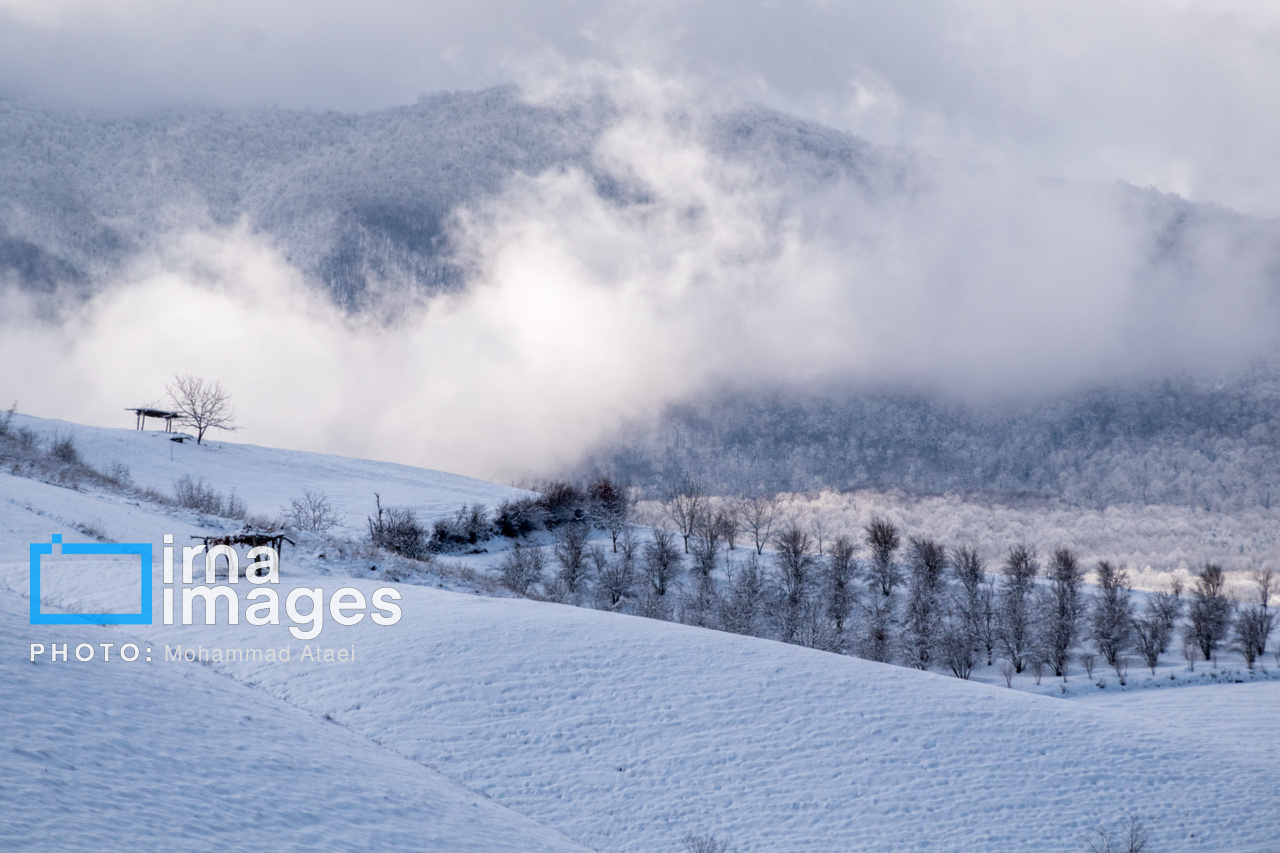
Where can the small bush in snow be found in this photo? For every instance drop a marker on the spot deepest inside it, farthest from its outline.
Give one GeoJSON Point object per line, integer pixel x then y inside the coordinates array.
{"type": "Point", "coordinates": [468, 527]}
{"type": "Point", "coordinates": [1130, 837]}
{"type": "Point", "coordinates": [396, 529]}
{"type": "Point", "coordinates": [521, 568]}
{"type": "Point", "coordinates": [519, 517]}
{"type": "Point", "coordinates": [704, 844]}
{"type": "Point", "coordinates": [311, 513]}
{"type": "Point", "coordinates": [204, 498]}
{"type": "Point", "coordinates": [63, 449]}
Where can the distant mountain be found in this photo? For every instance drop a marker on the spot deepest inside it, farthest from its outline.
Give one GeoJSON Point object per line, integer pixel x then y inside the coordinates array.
{"type": "Point", "coordinates": [362, 202]}
{"type": "Point", "coordinates": [350, 199]}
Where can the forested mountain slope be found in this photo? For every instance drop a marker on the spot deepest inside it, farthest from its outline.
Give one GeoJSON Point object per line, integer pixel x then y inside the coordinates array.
{"type": "Point", "coordinates": [1205, 442]}
{"type": "Point", "coordinates": [363, 205]}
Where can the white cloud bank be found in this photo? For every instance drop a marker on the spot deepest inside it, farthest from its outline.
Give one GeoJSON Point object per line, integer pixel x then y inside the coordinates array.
{"type": "Point", "coordinates": [583, 313]}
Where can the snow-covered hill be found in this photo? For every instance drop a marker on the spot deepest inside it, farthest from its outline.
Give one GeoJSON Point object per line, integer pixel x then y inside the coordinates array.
{"type": "Point", "coordinates": [618, 732]}
{"type": "Point", "coordinates": [266, 479]}
{"type": "Point", "coordinates": [117, 756]}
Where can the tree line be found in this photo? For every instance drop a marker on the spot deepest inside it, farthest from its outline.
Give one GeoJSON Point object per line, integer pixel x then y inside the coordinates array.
{"type": "Point", "coordinates": [741, 565]}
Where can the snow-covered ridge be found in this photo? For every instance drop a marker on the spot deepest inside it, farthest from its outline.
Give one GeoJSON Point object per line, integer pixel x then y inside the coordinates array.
{"type": "Point", "coordinates": [268, 478]}
{"type": "Point", "coordinates": [618, 732]}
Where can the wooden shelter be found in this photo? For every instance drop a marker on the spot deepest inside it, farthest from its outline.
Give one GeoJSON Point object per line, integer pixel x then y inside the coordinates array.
{"type": "Point", "coordinates": [160, 414]}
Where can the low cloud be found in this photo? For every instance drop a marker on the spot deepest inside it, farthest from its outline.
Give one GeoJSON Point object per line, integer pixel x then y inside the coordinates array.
{"type": "Point", "coordinates": [583, 313]}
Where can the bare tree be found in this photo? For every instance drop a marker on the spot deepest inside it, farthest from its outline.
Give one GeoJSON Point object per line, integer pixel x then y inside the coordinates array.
{"type": "Point", "coordinates": [707, 535]}
{"type": "Point", "coordinates": [312, 513]}
{"type": "Point", "coordinates": [1150, 638]}
{"type": "Point", "coordinates": [956, 646]}
{"type": "Point", "coordinates": [1131, 837]}
{"type": "Point", "coordinates": [521, 568]}
{"type": "Point", "coordinates": [1061, 610]}
{"type": "Point", "coordinates": [838, 581]}
{"type": "Point", "coordinates": [202, 405]}
{"type": "Point", "coordinates": [1008, 670]}
{"type": "Point", "coordinates": [882, 538]}
{"type": "Point", "coordinates": [1015, 631]}
{"type": "Point", "coordinates": [662, 564]}
{"type": "Point", "coordinates": [884, 576]}
{"type": "Point", "coordinates": [570, 551]}
{"type": "Point", "coordinates": [1253, 626]}
{"type": "Point", "coordinates": [745, 597]}
{"type": "Point", "coordinates": [794, 568]}
{"type": "Point", "coordinates": [1255, 622]}
{"type": "Point", "coordinates": [970, 612]}
{"type": "Point", "coordinates": [614, 576]}
{"type": "Point", "coordinates": [1265, 581]}
{"type": "Point", "coordinates": [1167, 604]}
{"type": "Point", "coordinates": [922, 617]}
{"type": "Point", "coordinates": [1112, 627]}
{"type": "Point", "coordinates": [1210, 610]}
{"type": "Point", "coordinates": [978, 599]}
{"type": "Point", "coordinates": [684, 505]}
{"type": "Point", "coordinates": [612, 508]}
{"type": "Point", "coordinates": [758, 514]}
{"type": "Point", "coordinates": [729, 523]}
{"type": "Point", "coordinates": [818, 527]}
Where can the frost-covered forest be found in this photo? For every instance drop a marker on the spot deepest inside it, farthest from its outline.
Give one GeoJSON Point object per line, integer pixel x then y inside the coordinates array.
{"type": "Point", "coordinates": [367, 204]}
{"type": "Point", "coordinates": [353, 200]}
{"type": "Point", "coordinates": [1208, 443]}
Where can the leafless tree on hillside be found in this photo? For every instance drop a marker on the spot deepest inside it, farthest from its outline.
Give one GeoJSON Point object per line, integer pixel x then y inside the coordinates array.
{"type": "Point", "coordinates": [570, 551]}
{"type": "Point", "coordinates": [312, 513]}
{"type": "Point", "coordinates": [1016, 635]}
{"type": "Point", "coordinates": [758, 515]}
{"type": "Point", "coordinates": [922, 618]}
{"type": "Point", "coordinates": [794, 569]}
{"type": "Point", "coordinates": [684, 505]}
{"type": "Point", "coordinates": [1210, 610]}
{"type": "Point", "coordinates": [840, 567]}
{"type": "Point", "coordinates": [662, 563]}
{"type": "Point", "coordinates": [745, 597]}
{"type": "Point", "coordinates": [1130, 838]}
{"type": "Point", "coordinates": [1112, 627]}
{"type": "Point", "coordinates": [202, 405]}
{"type": "Point", "coordinates": [883, 540]}
{"type": "Point", "coordinates": [1062, 608]}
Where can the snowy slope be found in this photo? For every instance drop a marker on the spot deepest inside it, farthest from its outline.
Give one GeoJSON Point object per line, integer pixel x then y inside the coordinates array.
{"type": "Point", "coordinates": [627, 733]}
{"type": "Point", "coordinates": [619, 732]}
{"type": "Point", "coordinates": [268, 478]}
{"type": "Point", "coordinates": [117, 756]}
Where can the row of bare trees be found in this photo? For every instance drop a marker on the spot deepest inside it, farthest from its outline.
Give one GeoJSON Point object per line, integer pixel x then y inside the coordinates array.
{"type": "Point", "coordinates": [877, 595]}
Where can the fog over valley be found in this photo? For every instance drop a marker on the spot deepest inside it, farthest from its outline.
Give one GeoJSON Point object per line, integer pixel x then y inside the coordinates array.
{"type": "Point", "coordinates": [615, 256]}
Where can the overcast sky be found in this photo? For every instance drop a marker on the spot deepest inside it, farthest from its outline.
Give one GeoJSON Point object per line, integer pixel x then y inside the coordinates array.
{"type": "Point", "coordinates": [1177, 95]}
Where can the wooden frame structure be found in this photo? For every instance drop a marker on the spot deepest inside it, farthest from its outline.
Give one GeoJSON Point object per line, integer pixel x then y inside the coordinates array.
{"type": "Point", "coordinates": [159, 414]}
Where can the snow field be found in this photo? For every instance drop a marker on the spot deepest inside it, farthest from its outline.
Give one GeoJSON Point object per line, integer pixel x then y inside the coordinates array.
{"type": "Point", "coordinates": [627, 733]}
{"type": "Point", "coordinates": [619, 732]}
{"type": "Point", "coordinates": [122, 756]}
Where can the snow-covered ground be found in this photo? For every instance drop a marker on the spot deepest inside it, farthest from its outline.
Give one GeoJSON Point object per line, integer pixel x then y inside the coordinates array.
{"type": "Point", "coordinates": [143, 756]}
{"type": "Point", "coordinates": [268, 478]}
{"type": "Point", "coordinates": [506, 724]}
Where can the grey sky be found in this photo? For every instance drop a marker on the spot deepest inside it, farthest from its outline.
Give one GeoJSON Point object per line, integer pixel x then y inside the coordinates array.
{"type": "Point", "coordinates": [1178, 95]}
